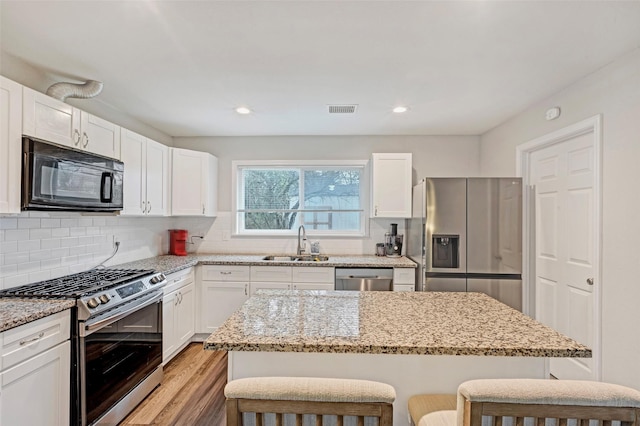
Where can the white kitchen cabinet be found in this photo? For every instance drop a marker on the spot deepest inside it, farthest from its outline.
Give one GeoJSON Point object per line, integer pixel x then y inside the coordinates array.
{"type": "Point", "coordinates": [178, 313]}
{"type": "Point", "coordinates": [313, 278]}
{"type": "Point", "coordinates": [269, 285]}
{"type": "Point", "coordinates": [391, 183]}
{"type": "Point", "coordinates": [55, 121]}
{"type": "Point", "coordinates": [10, 145]}
{"type": "Point", "coordinates": [146, 175]}
{"type": "Point", "coordinates": [35, 372]}
{"type": "Point", "coordinates": [223, 289]}
{"type": "Point", "coordinates": [194, 183]}
{"type": "Point", "coordinates": [404, 279]}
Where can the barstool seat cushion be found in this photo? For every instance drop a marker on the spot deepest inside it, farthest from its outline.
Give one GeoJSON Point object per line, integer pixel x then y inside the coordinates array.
{"type": "Point", "coordinates": [310, 389]}
{"type": "Point", "coordinates": [421, 405]}
{"type": "Point", "coordinates": [440, 418]}
{"type": "Point", "coordinates": [543, 391]}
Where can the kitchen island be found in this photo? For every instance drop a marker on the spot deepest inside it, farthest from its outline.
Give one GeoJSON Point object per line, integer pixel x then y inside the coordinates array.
{"type": "Point", "coordinates": [416, 342]}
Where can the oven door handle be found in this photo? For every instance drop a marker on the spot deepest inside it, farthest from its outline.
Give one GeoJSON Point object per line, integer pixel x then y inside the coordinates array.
{"type": "Point", "coordinates": [99, 324]}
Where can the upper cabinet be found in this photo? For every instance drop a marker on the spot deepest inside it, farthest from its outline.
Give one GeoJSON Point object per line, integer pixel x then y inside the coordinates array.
{"type": "Point", "coordinates": [391, 185]}
{"type": "Point", "coordinates": [194, 183]}
{"type": "Point", "coordinates": [52, 120]}
{"type": "Point", "coordinates": [146, 175]}
{"type": "Point", "coordinates": [10, 145]}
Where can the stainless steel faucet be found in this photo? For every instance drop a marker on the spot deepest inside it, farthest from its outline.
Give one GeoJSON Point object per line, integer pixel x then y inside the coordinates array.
{"type": "Point", "coordinates": [302, 246]}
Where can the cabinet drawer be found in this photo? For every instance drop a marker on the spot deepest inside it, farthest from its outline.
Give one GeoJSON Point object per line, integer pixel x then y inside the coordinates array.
{"type": "Point", "coordinates": [271, 273]}
{"type": "Point", "coordinates": [403, 287]}
{"type": "Point", "coordinates": [30, 339]}
{"type": "Point", "coordinates": [404, 276]}
{"type": "Point", "coordinates": [313, 275]}
{"type": "Point", "coordinates": [225, 273]}
{"type": "Point", "coordinates": [178, 279]}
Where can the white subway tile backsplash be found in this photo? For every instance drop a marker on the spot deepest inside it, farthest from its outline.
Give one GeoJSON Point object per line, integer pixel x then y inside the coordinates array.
{"type": "Point", "coordinates": [16, 234]}
{"type": "Point", "coordinates": [99, 221]}
{"type": "Point", "coordinates": [92, 230]}
{"type": "Point", "coordinates": [50, 223]}
{"type": "Point", "coordinates": [69, 242]}
{"type": "Point", "coordinates": [28, 267]}
{"type": "Point", "coordinates": [68, 223]}
{"type": "Point", "coordinates": [60, 272]}
{"type": "Point", "coordinates": [60, 232]}
{"type": "Point", "coordinates": [16, 280]}
{"type": "Point", "coordinates": [28, 245]}
{"type": "Point", "coordinates": [27, 222]}
{"type": "Point", "coordinates": [50, 263]}
{"type": "Point", "coordinates": [8, 270]}
{"type": "Point", "coordinates": [39, 255]}
{"type": "Point", "coordinates": [74, 232]}
{"type": "Point", "coordinates": [39, 233]}
{"type": "Point", "coordinates": [85, 222]}
{"type": "Point", "coordinates": [16, 257]}
{"type": "Point", "coordinates": [8, 223]}
{"type": "Point", "coordinates": [41, 275]}
{"type": "Point", "coordinates": [50, 243]}
{"type": "Point", "coordinates": [8, 246]}
{"type": "Point", "coordinates": [68, 260]}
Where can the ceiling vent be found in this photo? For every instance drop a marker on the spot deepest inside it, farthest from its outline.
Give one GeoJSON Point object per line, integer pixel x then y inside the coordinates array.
{"type": "Point", "coordinates": [342, 109]}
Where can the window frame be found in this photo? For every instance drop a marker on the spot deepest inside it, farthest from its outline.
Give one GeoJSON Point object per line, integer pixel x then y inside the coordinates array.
{"type": "Point", "coordinates": [237, 190]}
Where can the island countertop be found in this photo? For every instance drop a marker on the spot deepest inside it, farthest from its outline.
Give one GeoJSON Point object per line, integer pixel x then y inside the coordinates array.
{"type": "Point", "coordinates": [429, 323]}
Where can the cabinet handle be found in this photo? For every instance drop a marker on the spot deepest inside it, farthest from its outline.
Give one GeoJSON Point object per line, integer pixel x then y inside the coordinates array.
{"type": "Point", "coordinates": [86, 138]}
{"type": "Point", "coordinates": [375, 213]}
{"type": "Point", "coordinates": [38, 337]}
{"type": "Point", "coordinates": [245, 289]}
{"type": "Point", "coordinates": [225, 272]}
{"type": "Point", "coordinates": [143, 206]}
{"type": "Point", "coordinates": [149, 204]}
{"type": "Point", "coordinates": [590, 281]}
{"type": "Point", "coordinates": [203, 209]}
{"type": "Point", "coordinates": [76, 137]}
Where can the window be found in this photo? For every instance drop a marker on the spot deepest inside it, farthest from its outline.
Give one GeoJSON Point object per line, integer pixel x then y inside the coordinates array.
{"type": "Point", "coordinates": [277, 198]}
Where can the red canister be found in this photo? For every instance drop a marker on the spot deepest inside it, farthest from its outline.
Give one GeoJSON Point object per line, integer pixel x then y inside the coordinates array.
{"type": "Point", "coordinates": [178, 242]}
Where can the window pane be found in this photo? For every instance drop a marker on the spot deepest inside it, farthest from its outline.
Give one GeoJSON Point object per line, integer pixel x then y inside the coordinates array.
{"type": "Point", "coordinates": [337, 189]}
{"type": "Point", "coordinates": [270, 189]}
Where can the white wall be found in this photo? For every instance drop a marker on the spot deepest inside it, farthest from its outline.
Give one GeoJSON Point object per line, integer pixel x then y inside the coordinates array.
{"type": "Point", "coordinates": [614, 92]}
{"type": "Point", "coordinates": [432, 156]}
{"type": "Point", "coordinates": [21, 72]}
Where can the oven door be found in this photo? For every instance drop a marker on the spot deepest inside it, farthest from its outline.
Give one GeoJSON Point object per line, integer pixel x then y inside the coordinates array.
{"type": "Point", "coordinates": [58, 178]}
{"type": "Point", "coordinates": [116, 355]}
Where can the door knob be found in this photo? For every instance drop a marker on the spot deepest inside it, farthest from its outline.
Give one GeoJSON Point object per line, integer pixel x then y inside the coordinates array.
{"type": "Point", "coordinates": [590, 281]}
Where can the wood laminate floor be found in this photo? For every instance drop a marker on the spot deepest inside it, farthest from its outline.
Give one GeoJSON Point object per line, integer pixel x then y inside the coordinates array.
{"type": "Point", "coordinates": [191, 393]}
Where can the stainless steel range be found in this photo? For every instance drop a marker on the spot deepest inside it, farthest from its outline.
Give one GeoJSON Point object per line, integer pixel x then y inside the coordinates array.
{"type": "Point", "coordinates": [116, 338]}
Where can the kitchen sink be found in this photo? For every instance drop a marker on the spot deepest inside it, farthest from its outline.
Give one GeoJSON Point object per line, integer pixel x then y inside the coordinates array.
{"type": "Point", "coordinates": [301, 258]}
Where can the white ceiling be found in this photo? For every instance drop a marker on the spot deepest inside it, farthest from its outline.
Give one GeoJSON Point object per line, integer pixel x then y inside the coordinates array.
{"type": "Point", "coordinates": [182, 67]}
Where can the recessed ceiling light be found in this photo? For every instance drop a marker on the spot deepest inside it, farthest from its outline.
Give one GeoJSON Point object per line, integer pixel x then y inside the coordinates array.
{"type": "Point", "coordinates": [243, 110]}
{"type": "Point", "coordinates": [400, 109]}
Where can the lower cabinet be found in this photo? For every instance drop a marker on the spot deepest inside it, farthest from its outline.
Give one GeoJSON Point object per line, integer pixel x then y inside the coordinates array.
{"type": "Point", "coordinates": [178, 313]}
{"type": "Point", "coordinates": [35, 373]}
{"type": "Point", "coordinates": [404, 279]}
{"type": "Point", "coordinates": [224, 288]}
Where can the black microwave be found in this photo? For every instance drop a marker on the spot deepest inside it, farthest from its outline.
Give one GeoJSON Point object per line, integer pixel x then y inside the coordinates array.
{"type": "Point", "coordinates": [55, 177]}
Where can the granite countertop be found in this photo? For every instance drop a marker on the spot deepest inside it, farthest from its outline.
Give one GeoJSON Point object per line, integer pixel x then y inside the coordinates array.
{"type": "Point", "coordinates": [430, 323]}
{"type": "Point", "coordinates": [16, 312]}
{"type": "Point", "coordinates": [168, 264]}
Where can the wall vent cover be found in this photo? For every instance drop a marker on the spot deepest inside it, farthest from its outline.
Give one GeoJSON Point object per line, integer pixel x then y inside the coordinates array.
{"type": "Point", "coordinates": [342, 109]}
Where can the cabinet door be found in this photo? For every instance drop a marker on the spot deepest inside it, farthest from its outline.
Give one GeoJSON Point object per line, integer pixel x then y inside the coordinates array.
{"type": "Point", "coordinates": [169, 339]}
{"type": "Point", "coordinates": [219, 301]}
{"type": "Point", "coordinates": [255, 286]}
{"type": "Point", "coordinates": [157, 178]}
{"type": "Point", "coordinates": [36, 391]}
{"type": "Point", "coordinates": [10, 145]}
{"type": "Point", "coordinates": [185, 314]}
{"type": "Point", "coordinates": [188, 171]}
{"type": "Point", "coordinates": [391, 185]}
{"type": "Point", "coordinates": [50, 119]}
{"type": "Point", "coordinates": [133, 157]}
{"type": "Point", "coordinates": [99, 136]}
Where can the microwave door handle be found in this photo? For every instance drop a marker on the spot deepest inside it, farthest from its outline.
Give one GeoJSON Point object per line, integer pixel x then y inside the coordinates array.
{"type": "Point", "coordinates": [103, 187]}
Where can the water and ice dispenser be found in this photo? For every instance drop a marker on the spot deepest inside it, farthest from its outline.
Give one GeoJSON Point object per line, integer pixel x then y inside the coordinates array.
{"type": "Point", "coordinates": [444, 251]}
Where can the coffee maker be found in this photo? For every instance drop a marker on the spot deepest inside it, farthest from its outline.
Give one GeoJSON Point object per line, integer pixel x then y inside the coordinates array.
{"type": "Point", "coordinates": [393, 242]}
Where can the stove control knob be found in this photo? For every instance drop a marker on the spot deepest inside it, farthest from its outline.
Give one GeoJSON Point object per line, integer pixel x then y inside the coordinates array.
{"type": "Point", "coordinates": [104, 298]}
{"type": "Point", "coordinates": [93, 302]}
{"type": "Point", "coordinates": [156, 279]}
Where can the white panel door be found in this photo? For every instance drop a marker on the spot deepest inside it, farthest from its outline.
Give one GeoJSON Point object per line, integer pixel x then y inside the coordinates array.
{"type": "Point", "coordinates": [99, 136]}
{"type": "Point", "coordinates": [564, 175]}
{"type": "Point", "coordinates": [50, 119]}
{"type": "Point", "coordinates": [133, 157]}
{"type": "Point", "coordinates": [10, 145]}
{"type": "Point", "coordinates": [187, 182]}
{"type": "Point", "coordinates": [157, 178]}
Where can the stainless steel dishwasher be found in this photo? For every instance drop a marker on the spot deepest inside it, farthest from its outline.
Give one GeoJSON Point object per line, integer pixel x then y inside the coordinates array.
{"type": "Point", "coordinates": [364, 279]}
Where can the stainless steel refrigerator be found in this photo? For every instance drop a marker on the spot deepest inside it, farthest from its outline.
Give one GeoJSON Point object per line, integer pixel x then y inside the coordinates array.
{"type": "Point", "coordinates": [466, 235]}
